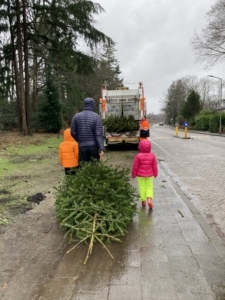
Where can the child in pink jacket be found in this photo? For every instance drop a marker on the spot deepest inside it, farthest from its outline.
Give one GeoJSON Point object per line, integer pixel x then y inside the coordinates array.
{"type": "Point", "coordinates": [145, 168]}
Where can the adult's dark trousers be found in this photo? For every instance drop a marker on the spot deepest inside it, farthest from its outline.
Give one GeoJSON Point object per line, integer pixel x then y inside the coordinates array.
{"type": "Point", "coordinates": [88, 153]}
{"type": "Point", "coordinates": [144, 133]}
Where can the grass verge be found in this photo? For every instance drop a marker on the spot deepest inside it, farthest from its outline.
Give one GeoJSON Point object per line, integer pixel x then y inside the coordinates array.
{"type": "Point", "coordinates": [29, 165]}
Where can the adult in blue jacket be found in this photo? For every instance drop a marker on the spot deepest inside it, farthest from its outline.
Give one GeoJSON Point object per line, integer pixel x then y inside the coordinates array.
{"type": "Point", "coordinates": [87, 130]}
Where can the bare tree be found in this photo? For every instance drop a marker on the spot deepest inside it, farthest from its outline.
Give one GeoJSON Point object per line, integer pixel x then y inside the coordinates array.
{"type": "Point", "coordinates": [177, 93]}
{"type": "Point", "coordinates": [209, 45]}
{"type": "Point", "coordinates": [206, 90]}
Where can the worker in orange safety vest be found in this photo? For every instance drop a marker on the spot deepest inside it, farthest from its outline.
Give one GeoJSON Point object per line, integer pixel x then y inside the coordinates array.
{"type": "Point", "coordinates": [144, 128]}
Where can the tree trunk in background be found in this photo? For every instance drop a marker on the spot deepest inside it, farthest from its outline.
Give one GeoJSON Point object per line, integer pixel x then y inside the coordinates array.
{"type": "Point", "coordinates": [27, 86]}
{"type": "Point", "coordinates": [14, 66]}
{"type": "Point", "coordinates": [24, 128]}
{"type": "Point", "coordinates": [35, 92]}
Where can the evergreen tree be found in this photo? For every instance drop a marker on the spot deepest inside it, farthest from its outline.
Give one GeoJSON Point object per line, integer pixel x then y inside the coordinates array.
{"type": "Point", "coordinates": [49, 113]}
{"type": "Point", "coordinates": [106, 69]}
{"type": "Point", "coordinates": [192, 106]}
{"type": "Point", "coordinates": [109, 66]}
{"type": "Point", "coordinates": [38, 31]}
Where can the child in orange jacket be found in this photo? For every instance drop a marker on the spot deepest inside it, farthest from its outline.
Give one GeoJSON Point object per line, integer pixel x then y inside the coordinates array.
{"type": "Point", "coordinates": [68, 153]}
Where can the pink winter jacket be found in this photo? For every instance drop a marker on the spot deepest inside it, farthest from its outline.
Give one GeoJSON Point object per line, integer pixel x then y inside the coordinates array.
{"type": "Point", "coordinates": [145, 163]}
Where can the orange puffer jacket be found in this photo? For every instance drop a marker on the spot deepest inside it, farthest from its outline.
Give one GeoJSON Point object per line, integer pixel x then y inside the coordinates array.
{"type": "Point", "coordinates": [68, 151]}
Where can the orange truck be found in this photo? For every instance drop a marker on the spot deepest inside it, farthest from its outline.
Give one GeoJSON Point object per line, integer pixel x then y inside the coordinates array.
{"type": "Point", "coordinates": [122, 101]}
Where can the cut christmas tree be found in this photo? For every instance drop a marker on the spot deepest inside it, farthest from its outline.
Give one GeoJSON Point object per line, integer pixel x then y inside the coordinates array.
{"type": "Point", "coordinates": [96, 205]}
{"type": "Point", "coordinates": [120, 124]}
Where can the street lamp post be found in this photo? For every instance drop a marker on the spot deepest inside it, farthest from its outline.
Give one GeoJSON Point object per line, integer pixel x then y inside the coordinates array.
{"type": "Point", "coordinates": [221, 98]}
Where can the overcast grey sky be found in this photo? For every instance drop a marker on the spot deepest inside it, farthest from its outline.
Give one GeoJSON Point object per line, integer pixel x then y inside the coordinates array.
{"type": "Point", "coordinates": [153, 41]}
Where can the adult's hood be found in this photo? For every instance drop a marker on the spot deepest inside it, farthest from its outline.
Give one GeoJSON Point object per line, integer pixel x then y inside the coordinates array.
{"type": "Point", "coordinates": [89, 104]}
{"type": "Point", "coordinates": [67, 136]}
{"type": "Point", "coordinates": [145, 146]}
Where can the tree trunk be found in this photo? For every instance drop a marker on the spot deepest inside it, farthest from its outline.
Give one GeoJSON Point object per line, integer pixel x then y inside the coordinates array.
{"type": "Point", "coordinates": [14, 65]}
{"type": "Point", "coordinates": [27, 84]}
{"type": "Point", "coordinates": [24, 129]}
{"type": "Point", "coordinates": [35, 92]}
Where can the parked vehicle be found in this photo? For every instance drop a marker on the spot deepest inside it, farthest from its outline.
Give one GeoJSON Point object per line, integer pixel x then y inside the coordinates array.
{"type": "Point", "coordinates": [122, 109]}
